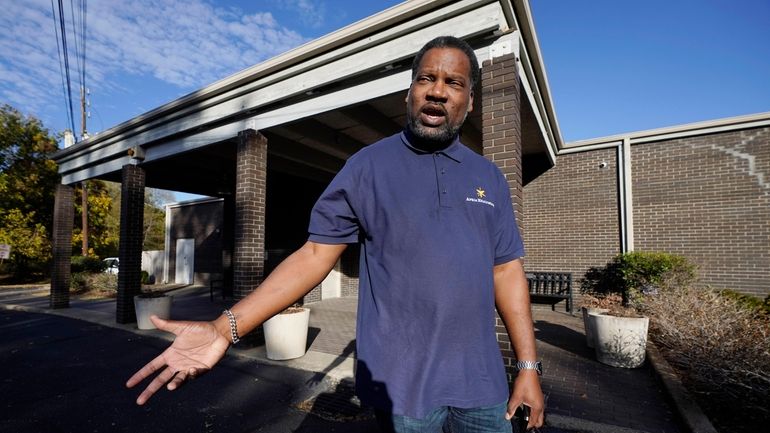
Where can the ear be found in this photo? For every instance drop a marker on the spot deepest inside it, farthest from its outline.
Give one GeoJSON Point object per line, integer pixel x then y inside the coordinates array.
{"type": "Point", "coordinates": [470, 102]}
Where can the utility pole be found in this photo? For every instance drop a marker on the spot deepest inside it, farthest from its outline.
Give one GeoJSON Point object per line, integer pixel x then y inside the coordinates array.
{"type": "Point", "coordinates": [84, 184]}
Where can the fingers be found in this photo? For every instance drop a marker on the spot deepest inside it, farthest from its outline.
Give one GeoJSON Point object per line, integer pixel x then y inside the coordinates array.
{"type": "Point", "coordinates": [146, 371]}
{"type": "Point", "coordinates": [536, 418]}
{"type": "Point", "coordinates": [154, 386]}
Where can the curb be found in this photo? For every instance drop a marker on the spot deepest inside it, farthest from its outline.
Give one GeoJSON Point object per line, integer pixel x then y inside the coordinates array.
{"type": "Point", "coordinates": [582, 425]}
{"type": "Point", "coordinates": [689, 411]}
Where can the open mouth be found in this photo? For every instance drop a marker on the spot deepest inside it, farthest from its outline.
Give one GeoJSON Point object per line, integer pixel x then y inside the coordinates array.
{"type": "Point", "coordinates": [432, 115]}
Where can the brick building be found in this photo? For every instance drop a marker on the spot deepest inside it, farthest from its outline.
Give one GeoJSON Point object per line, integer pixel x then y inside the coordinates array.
{"type": "Point", "coordinates": [700, 190]}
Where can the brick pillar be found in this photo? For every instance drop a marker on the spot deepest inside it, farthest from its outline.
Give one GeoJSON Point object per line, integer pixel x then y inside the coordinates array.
{"type": "Point", "coordinates": [131, 236]}
{"type": "Point", "coordinates": [63, 214]}
{"type": "Point", "coordinates": [250, 198]}
{"type": "Point", "coordinates": [501, 121]}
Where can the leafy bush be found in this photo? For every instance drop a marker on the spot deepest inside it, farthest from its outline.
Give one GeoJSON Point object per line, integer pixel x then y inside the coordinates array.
{"type": "Point", "coordinates": [759, 306]}
{"type": "Point", "coordinates": [95, 285]}
{"type": "Point", "coordinates": [636, 273]}
{"type": "Point", "coordinates": [92, 264]}
{"type": "Point", "coordinates": [722, 349]}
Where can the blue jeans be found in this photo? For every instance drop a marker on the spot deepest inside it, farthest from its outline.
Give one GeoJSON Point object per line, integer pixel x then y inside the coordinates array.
{"type": "Point", "coordinates": [449, 419]}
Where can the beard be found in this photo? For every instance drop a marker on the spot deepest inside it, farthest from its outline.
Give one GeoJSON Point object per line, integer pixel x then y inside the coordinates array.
{"type": "Point", "coordinates": [433, 136]}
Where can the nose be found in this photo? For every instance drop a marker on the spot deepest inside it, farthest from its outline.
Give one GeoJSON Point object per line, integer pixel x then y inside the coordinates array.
{"type": "Point", "coordinates": [437, 91]}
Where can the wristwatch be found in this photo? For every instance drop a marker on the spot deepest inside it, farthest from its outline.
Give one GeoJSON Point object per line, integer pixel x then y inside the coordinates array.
{"type": "Point", "coordinates": [530, 365]}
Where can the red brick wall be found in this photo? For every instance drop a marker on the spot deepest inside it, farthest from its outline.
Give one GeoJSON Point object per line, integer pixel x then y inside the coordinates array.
{"type": "Point", "coordinates": [501, 144]}
{"type": "Point", "coordinates": [571, 220]}
{"type": "Point", "coordinates": [203, 222]}
{"type": "Point", "coordinates": [705, 197]}
{"type": "Point", "coordinates": [64, 211]}
{"type": "Point", "coordinates": [251, 175]}
{"type": "Point", "coordinates": [131, 237]}
{"type": "Point", "coordinates": [708, 198]}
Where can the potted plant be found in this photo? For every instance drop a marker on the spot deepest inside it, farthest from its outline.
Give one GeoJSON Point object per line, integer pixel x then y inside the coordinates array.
{"type": "Point", "coordinates": [151, 302]}
{"type": "Point", "coordinates": [591, 305]}
{"type": "Point", "coordinates": [286, 333]}
{"type": "Point", "coordinates": [621, 287]}
{"type": "Point", "coordinates": [619, 335]}
{"type": "Point", "coordinates": [614, 327]}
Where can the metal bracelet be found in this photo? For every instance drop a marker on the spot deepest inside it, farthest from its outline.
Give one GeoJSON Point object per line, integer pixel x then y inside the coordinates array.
{"type": "Point", "coordinates": [233, 326]}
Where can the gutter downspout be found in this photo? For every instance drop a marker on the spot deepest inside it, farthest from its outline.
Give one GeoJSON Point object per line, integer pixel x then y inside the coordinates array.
{"type": "Point", "coordinates": [626, 196]}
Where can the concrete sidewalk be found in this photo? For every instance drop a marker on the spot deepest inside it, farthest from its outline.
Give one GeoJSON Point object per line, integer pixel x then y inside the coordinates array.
{"type": "Point", "coordinates": [67, 369]}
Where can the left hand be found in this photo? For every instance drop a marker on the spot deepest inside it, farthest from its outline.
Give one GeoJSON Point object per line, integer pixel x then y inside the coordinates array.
{"type": "Point", "coordinates": [526, 390]}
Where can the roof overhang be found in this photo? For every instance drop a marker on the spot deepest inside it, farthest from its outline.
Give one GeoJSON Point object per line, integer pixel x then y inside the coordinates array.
{"type": "Point", "coordinates": [364, 61]}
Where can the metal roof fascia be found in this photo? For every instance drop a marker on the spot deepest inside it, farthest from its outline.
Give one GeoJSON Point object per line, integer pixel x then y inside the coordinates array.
{"type": "Point", "coordinates": [525, 24]}
{"type": "Point", "coordinates": [334, 40]}
{"type": "Point", "coordinates": [678, 131]}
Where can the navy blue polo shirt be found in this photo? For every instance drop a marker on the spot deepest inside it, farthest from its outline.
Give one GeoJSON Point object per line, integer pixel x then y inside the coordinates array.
{"type": "Point", "coordinates": [432, 226]}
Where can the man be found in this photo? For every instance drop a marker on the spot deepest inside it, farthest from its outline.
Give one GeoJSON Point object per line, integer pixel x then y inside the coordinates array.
{"type": "Point", "coordinates": [439, 250]}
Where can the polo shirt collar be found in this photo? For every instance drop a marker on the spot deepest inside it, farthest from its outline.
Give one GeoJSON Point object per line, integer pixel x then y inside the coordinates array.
{"type": "Point", "coordinates": [453, 151]}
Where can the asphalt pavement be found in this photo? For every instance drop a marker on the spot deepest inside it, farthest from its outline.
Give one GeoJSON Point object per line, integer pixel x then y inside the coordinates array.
{"type": "Point", "coordinates": [65, 370]}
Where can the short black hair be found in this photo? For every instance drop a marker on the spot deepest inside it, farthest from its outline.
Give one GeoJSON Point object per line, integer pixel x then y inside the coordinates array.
{"type": "Point", "coordinates": [450, 42]}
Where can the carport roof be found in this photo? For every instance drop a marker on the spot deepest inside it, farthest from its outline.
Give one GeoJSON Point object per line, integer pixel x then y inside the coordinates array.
{"type": "Point", "coordinates": [327, 86]}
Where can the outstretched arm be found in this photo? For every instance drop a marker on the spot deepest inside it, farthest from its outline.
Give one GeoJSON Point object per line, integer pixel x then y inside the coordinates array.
{"type": "Point", "coordinates": [198, 346]}
{"type": "Point", "coordinates": [512, 301]}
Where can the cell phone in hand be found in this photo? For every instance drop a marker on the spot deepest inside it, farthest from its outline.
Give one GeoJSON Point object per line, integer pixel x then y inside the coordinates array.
{"type": "Point", "coordinates": [521, 419]}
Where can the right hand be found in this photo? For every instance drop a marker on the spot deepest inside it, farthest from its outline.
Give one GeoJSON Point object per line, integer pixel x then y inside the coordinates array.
{"type": "Point", "coordinates": [198, 346]}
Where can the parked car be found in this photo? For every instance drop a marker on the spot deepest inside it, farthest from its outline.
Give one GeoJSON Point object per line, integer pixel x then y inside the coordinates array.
{"type": "Point", "coordinates": [111, 265]}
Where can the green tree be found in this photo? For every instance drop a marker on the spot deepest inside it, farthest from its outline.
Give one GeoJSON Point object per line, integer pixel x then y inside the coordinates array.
{"type": "Point", "coordinates": [28, 179]}
{"type": "Point", "coordinates": [103, 228]}
{"type": "Point", "coordinates": [154, 223]}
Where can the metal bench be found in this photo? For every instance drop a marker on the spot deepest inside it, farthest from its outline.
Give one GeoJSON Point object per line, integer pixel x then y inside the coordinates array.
{"type": "Point", "coordinates": [550, 288]}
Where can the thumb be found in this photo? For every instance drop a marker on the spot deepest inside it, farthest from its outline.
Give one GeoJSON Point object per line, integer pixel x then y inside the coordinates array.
{"type": "Point", "coordinates": [162, 324]}
{"type": "Point", "coordinates": [513, 403]}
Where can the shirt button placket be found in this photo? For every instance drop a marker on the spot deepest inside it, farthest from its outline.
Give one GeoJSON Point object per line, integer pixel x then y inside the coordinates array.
{"type": "Point", "coordinates": [442, 187]}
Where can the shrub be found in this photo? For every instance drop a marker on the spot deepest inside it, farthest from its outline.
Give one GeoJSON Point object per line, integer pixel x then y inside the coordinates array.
{"type": "Point", "coordinates": [86, 264]}
{"type": "Point", "coordinates": [636, 273]}
{"type": "Point", "coordinates": [721, 347]}
{"type": "Point", "coordinates": [95, 285]}
{"type": "Point", "coordinates": [759, 306]}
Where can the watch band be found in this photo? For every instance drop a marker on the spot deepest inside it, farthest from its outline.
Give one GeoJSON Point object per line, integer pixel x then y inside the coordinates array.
{"type": "Point", "coordinates": [530, 365]}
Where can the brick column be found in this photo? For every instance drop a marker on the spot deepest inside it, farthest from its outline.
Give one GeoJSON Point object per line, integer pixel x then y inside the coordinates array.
{"type": "Point", "coordinates": [501, 121]}
{"type": "Point", "coordinates": [63, 214]}
{"type": "Point", "coordinates": [131, 236]}
{"type": "Point", "coordinates": [250, 198]}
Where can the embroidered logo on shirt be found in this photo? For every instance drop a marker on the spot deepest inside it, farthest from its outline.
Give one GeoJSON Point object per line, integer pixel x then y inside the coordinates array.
{"type": "Point", "coordinates": [480, 194]}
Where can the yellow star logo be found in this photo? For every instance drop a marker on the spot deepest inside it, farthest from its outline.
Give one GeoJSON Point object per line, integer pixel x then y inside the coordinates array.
{"type": "Point", "coordinates": [480, 192]}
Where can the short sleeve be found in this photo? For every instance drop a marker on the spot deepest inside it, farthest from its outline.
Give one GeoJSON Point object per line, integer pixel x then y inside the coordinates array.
{"type": "Point", "coordinates": [333, 219]}
{"type": "Point", "coordinates": [509, 245]}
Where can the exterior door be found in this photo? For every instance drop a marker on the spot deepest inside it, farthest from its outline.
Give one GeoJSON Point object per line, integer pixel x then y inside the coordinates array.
{"type": "Point", "coordinates": [185, 254]}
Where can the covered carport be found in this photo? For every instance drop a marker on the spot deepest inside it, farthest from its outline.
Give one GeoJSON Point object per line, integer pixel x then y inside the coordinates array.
{"type": "Point", "coordinates": [299, 116]}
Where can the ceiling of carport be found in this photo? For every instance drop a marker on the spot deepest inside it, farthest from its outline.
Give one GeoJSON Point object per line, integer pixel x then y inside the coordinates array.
{"type": "Point", "coordinates": [316, 147]}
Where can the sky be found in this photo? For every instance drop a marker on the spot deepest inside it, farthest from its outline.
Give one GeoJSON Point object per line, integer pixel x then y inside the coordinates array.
{"type": "Point", "coordinates": [613, 66]}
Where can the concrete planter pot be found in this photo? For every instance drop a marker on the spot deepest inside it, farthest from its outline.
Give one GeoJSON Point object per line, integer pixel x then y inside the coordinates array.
{"type": "Point", "coordinates": [146, 306]}
{"type": "Point", "coordinates": [587, 325]}
{"type": "Point", "coordinates": [286, 334]}
{"type": "Point", "coordinates": [620, 341]}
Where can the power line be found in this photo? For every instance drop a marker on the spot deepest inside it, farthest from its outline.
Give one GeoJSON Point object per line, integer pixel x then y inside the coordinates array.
{"type": "Point", "coordinates": [66, 63]}
{"type": "Point", "coordinates": [61, 66]}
